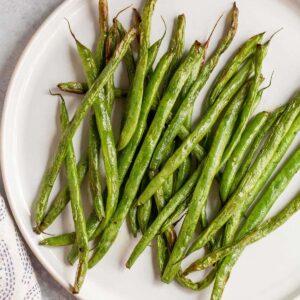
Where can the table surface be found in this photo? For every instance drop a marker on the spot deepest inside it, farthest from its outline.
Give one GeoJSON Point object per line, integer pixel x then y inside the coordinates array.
{"type": "Point", "coordinates": [19, 19]}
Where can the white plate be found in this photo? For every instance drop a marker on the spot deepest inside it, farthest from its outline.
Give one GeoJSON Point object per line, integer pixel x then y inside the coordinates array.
{"type": "Point", "coordinates": [268, 270]}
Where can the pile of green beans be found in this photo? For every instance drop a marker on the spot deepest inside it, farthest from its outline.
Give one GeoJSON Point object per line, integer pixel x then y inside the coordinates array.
{"type": "Point", "coordinates": [160, 170]}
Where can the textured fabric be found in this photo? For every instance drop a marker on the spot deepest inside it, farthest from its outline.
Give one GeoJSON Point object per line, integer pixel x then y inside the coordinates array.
{"type": "Point", "coordinates": [17, 278]}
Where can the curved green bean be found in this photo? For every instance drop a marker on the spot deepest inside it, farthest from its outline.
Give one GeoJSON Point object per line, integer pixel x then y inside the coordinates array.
{"type": "Point", "coordinates": [135, 96]}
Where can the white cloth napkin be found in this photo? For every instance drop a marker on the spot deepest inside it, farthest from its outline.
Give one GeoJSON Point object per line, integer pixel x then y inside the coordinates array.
{"type": "Point", "coordinates": [17, 278]}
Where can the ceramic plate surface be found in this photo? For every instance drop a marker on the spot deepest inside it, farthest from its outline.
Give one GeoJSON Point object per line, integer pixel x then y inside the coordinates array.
{"type": "Point", "coordinates": [268, 270]}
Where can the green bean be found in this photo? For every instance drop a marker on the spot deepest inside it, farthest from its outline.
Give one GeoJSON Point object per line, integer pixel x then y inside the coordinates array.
{"type": "Point", "coordinates": [144, 214]}
{"type": "Point", "coordinates": [176, 46]}
{"type": "Point", "coordinates": [62, 199]}
{"type": "Point", "coordinates": [198, 133]}
{"type": "Point", "coordinates": [143, 158]}
{"type": "Point", "coordinates": [103, 31]}
{"type": "Point", "coordinates": [250, 104]}
{"type": "Point", "coordinates": [176, 216]}
{"type": "Point", "coordinates": [240, 198]}
{"type": "Point", "coordinates": [247, 138]}
{"type": "Point", "coordinates": [132, 221]}
{"type": "Point", "coordinates": [92, 95]}
{"type": "Point", "coordinates": [127, 155]}
{"type": "Point", "coordinates": [76, 205]}
{"type": "Point", "coordinates": [203, 186]}
{"type": "Point", "coordinates": [81, 88]}
{"type": "Point", "coordinates": [91, 71]}
{"type": "Point", "coordinates": [253, 236]}
{"type": "Point", "coordinates": [91, 225]}
{"type": "Point", "coordinates": [166, 240]}
{"type": "Point", "coordinates": [144, 211]}
{"type": "Point", "coordinates": [135, 96]}
{"type": "Point", "coordinates": [109, 157]}
{"type": "Point", "coordinates": [254, 147]}
{"type": "Point", "coordinates": [94, 169]}
{"type": "Point", "coordinates": [59, 240]}
{"type": "Point", "coordinates": [232, 66]}
{"type": "Point", "coordinates": [166, 212]}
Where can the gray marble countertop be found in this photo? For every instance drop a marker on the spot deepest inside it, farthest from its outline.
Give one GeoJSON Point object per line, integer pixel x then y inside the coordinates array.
{"type": "Point", "coordinates": [19, 19]}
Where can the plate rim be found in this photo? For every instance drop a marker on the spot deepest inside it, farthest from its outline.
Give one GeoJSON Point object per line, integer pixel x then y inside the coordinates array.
{"type": "Point", "coordinates": [3, 151]}
{"type": "Point", "coordinates": [4, 167]}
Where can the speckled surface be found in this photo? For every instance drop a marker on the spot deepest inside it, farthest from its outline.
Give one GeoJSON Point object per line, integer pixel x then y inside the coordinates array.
{"type": "Point", "coordinates": [19, 19]}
